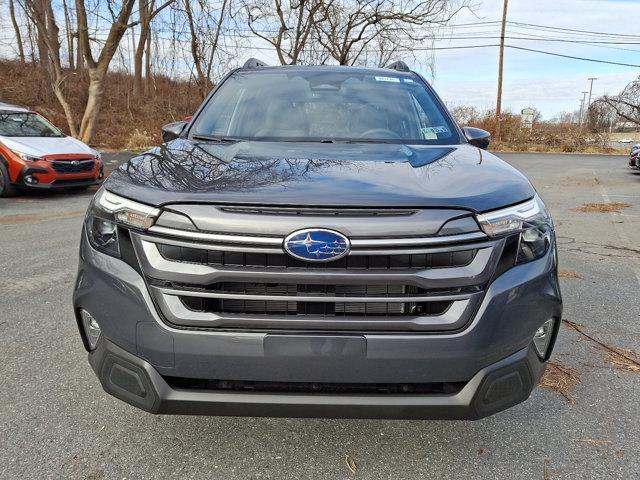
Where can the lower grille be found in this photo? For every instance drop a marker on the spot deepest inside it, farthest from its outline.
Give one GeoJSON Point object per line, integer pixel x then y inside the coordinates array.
{"type": "Point", "coordinates": [335, 307]}
{"type": "Point", "coordinates": [448, 388]}
{"type": "Point", "coordinates": [72, 166]}
{"type": "Point", "coordinates": [320, 309]}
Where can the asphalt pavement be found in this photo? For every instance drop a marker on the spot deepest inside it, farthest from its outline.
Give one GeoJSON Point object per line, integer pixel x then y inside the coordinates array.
{"type": "Point", "coordinates": [56, 421]}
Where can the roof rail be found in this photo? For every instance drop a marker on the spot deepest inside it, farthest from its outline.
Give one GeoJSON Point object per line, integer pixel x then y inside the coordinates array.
{"type": "Point", "coordinates": [254, 63]}
{"type": "Point", "coordinates": [399, 66]}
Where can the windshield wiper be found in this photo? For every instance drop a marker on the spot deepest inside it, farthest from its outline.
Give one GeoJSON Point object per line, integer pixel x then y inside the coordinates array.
{"type": "Point", "coordinates": [216, 138]}
{"type": "Point", "coordinates": [372, 140]}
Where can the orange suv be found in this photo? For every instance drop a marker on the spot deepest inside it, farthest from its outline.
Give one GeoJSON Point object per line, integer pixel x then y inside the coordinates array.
{"type": "Point", "coordinates": [35, 154]}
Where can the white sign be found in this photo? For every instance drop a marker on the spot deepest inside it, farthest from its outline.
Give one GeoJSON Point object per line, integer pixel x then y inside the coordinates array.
{"type": "Point", "coordinates": [526, 117]}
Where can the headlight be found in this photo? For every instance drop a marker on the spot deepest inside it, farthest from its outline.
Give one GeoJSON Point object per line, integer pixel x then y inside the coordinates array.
{"type": "Point", "coordinates": [530, 219]}
{"type": "Point", "coordinates": [27, 158]}
{"type": "Point", "coordinates": [109, 211]}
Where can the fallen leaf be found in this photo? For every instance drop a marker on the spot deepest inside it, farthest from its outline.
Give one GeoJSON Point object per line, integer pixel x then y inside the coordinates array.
{"type": "Point", "coordinates": [351, 465]}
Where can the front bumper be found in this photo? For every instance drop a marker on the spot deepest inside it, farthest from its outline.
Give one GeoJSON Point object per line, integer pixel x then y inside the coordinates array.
{"type": "Point", "coordinates": [47, 178]}
{"type": "Point", "coordinates": [492, 358]}
{"type": "Point", "coordinates": [494, 388]}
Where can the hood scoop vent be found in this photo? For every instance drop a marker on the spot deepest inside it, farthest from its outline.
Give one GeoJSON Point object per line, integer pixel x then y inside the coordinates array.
{"type": "Point", "coordinates": [321, 212]}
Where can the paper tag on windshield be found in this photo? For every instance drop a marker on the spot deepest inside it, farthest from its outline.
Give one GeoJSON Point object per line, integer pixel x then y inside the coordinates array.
{"type": "Point", "coordinates": [429, 133]}
{"type": "Point", "coordinates": [387, 79]}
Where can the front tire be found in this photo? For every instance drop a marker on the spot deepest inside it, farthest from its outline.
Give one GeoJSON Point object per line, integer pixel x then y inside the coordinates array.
{"type": "Point", "coordinates": [6, 189]}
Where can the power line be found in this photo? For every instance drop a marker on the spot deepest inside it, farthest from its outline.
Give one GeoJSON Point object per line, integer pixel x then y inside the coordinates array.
{"type": "Point", "coordinates": [595, 60]}
{"type": "Point", "coordinates": [573, 30]}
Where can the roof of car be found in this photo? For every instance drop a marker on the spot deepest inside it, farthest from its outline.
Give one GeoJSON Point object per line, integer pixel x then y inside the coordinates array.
{"type": "Point", "coordinates": [329, 68]}
{"type": "Point", "coordinates": [7, 107]}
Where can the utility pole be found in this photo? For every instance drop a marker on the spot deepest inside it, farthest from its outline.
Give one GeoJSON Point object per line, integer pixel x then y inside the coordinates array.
{"type": "Point", "coordinates": [584, 96]}
{"type": "Point", "coordinates": [500, 65]}
{"type": "Point", "coordinates": [591, 79]}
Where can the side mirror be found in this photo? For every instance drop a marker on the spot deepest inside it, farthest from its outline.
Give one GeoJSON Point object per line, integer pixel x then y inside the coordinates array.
{"type": "Point", "coordinates": [477, 137]}
{"type": "Point", "coordinates": [171, 131]}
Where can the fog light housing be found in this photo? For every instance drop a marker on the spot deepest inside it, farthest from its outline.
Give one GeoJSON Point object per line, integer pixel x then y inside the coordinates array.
{"type": "Point", "coordinates": [30, 179]}
{"type": "Point", "coordinates": [91, 329]}
{"type": "Point", "coordinates": [542, 338]}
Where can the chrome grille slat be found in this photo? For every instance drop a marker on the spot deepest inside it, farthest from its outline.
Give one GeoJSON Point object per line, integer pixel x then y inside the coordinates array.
{"type": "Point", "coordinates": [355, 242]}
{"type": "Point", "coordinates": [157, 267]}
{"type": "Point", "coordinates": [309, 298]}
{"type": "Point", "coordinates": [453, 318]}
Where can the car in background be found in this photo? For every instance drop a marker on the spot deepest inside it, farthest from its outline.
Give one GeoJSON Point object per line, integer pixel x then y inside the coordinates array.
{"type": "Point", "coordinates": [625, 140]}
{"type": "Point", "coordinates": [36, 155]}
{"type": "Point", "coordinates": [634, 156]}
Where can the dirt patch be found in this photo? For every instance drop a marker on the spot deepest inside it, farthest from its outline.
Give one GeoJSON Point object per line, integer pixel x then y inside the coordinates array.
{"type": "Point", "coordinates": [568, 274]}
{"type": "Point", "coordinates": [620, 358]}
{"type": "Point", "coordinates": [612, 207]}
{"type": "Point", "coordinates": [561, 379]}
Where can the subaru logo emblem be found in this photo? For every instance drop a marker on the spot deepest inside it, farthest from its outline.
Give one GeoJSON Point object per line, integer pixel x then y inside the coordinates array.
{"type": "Point", "coordinates": [317, 245]}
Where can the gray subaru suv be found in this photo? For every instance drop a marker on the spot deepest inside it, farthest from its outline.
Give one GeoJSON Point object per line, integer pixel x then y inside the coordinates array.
{"type": "Point", "coordinates": [319, 242]}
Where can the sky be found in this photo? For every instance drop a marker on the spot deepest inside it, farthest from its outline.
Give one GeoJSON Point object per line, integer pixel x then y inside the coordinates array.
{"type": "Point", "coordinates": [550, 84]}
{"type": "Point", "coordinates": [469, 76]}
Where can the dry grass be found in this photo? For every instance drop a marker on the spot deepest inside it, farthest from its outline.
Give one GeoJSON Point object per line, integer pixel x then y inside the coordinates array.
{"type": "Point", "coordinates": [121, 115]}
{"type": "Point", "coordinates": [623, 359]}
{"type": "Point", "coordinates": [620, 358]}
{"type": "Point", "coordinates": [543, 137]}
{"type": "Point", "coordinates": [612, 207]}
{"type": "Point", "coordinates": [139, 141]}
{"type": "Point", "coordinates": [561, 379]}
{"type": "Point", "coordinates": [568, 274]}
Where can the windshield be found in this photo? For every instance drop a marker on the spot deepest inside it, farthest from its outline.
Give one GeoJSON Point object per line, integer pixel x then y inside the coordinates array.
{"type": "Point", "coordinates": [322, 105]}
{"type": "Point", "coordinates": [19, 124]}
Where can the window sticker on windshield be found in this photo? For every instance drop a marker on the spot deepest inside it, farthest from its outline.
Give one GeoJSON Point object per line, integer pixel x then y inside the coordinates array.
{"type": "Point", "coordinates": [387, 79]}
{"type": "Point", "coordinates": [428, 133]}
{"type": "Point", "coordinates": [407, 80]}
{"type": "Point", "coordinates": [431, 133]}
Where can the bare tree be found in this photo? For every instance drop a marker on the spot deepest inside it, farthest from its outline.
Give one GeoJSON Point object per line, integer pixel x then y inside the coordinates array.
{"type": "Point", "coordinates": [41, 14]}
{"type": "Point", "coordinates": [147, 12]}
{"type": "Point", "coordinates": [98, 67]}
{"type": "Point", "coordinates": [16, 29]}
{"type": "Point", "coordinates": [352, 26]}
{"type": "Point", "coordinates": [69, 35]}
{"type": "Point", "coordinates": [205, 25]}
{"type": "Point", "coordinates": [601, 116]}
{"type": "Point", "coordinates": [288, 25]}
{"type": "Point", "coordinates": [627, 103]}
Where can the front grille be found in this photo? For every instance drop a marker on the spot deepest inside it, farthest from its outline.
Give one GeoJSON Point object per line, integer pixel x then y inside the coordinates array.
{"type": "Point", "coordinates": [221, 258]}
{"type": "Point", "coordinates": [445, 388]}
{"type": "Point", "coordinates": [73, 166]}
{"type": "Point", "coordinates": [243, 279]}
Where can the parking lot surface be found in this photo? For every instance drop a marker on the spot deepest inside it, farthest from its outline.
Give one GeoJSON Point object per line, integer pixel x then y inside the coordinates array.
{"type": "Point", "coordinates": [56, 422]}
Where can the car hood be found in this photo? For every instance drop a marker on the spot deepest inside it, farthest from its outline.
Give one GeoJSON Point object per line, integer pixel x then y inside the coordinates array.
{"type": "Point", "coordinates": [39, 146]}
{"type": "Point", "coordinates": [299, 174]}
